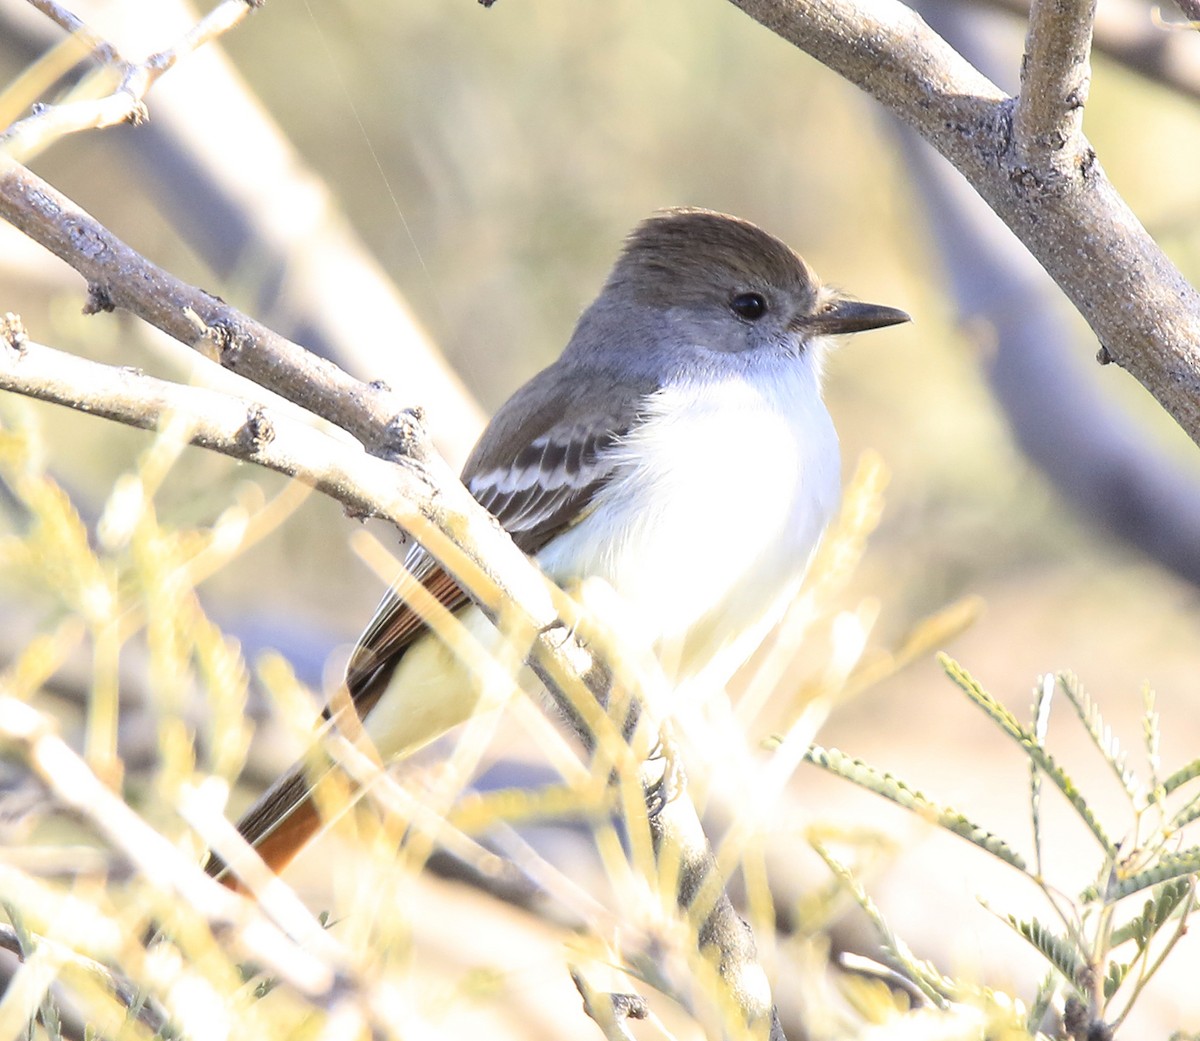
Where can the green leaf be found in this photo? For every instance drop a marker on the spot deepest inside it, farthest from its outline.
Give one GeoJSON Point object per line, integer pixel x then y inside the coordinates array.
{"type": "Point", "coordinates": [1181, 777]}
{"type": "Point", "coordinates": [1100, 732]}
{"type": "Point", "coordinates": [1059, 952]}
{"type": "Point", "coordinates": [1042, 1003]}
{"type": "Point", "coordinates": [1185, 863]}
{"type": "Point", "coordinates": [938, 988]}
{"type": "Point", "coordinates": [1114, 978]}
{"type": "Point", "coordinates": [265, 986]}
{"type": "Point", "coordinates": [1032, 748]}
{"type": "Point", "coordinates": [895, 790]}
{"type": "Point", "coordinates": [1043, 696]}
{"type": "Point", "coordinates": [1156, 912]}
{"type": "Point", "coordinates": [1152, 733]}
{"type": "Point", "coordinates": [1186, 815]}
{"type": "Point", "coordinates": [995, 711]}
{"type": "Point", "coordinates": [51, 1019]}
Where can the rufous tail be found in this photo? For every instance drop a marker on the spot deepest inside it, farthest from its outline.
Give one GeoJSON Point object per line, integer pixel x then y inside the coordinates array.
{"type": "Point", "coordinates": [278, 826]}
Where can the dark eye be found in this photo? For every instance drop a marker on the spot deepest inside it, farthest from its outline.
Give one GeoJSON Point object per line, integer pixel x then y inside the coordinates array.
{"type": "Point", "coordinates": [749, 305]}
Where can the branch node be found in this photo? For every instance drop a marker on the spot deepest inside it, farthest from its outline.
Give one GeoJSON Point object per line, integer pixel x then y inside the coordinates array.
{"type": "Point", "coordinates": [230, 342]}
{"type": "Point", "coordinates": [12, 332]}
{"type": "Point", "coordinates": [629, 1006]}
{"type": "Point", "coordinates": [1103, 357]}
{"type": "Point", "coordinates": [98, 299]}
{"type": "Point", "coordinates": [405, 437]}
{"type": "Point", "coordinates": [138, 114]}
{"type": "Point", "coordinates": [257, 432]}
{"type": "Point", "coordinates": [1026, 178]}
{"type": "Point", "coordinates": [609, 1011]}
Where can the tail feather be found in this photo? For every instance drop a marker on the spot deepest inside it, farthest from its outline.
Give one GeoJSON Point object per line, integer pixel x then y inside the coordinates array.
{"type": "Point", "coordinates": [278, 825]}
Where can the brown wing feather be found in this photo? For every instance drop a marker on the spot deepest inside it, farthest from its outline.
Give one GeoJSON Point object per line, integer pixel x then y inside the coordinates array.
{"type": "Point", "coordinates": [536, 471]}
{"type": "Point", "coordinates": [393, 629]}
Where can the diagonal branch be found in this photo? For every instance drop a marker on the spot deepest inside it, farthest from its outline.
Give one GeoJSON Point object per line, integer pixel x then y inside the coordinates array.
{"type": "Point", "coordinates": [309, 960]}
{"type": "Point", "coordinates": [1098, 457]}
{"type": "Point", "coordinates": [1055, 79]}
{"type": "Point", "coordinates": [1125, 32]}
{"type": "Point", "coordinates": [101, 49]}
{"type": "Point", "coordinates": [119, 276]}
{"type": "Point", "coordinates": [193, 156]}
{"type": "Point", "coordinates": [1191, 11]}
{"type": "Point", "coordinates": [124, 104]}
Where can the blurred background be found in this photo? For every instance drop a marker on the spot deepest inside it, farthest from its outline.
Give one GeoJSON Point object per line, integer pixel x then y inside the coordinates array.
{"type": "Point", "coordinates": [484, 165]}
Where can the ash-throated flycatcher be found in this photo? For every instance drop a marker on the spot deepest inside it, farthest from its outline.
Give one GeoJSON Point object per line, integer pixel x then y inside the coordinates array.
{"type": "Point", "coordinates": [679, 450]}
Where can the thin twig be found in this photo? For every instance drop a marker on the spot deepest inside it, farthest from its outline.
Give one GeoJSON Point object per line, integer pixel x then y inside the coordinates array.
{"type": "Point", "coordinates": [610, 1011]}
{"type": "Point", "coordinates": [1056, 75]}
{"type": "Point", "coordinates": [311, 968]}
{"type": "Point", "coordinates": [120, 987]}
{"type": "Point", "coordinates": [216, 421]}
{"type": "Point", "coordinates": [218, 21]}
{"type": "Point", "coordinates": [101, 49]}
{"type": "Point", "coordinates": [125, 104]}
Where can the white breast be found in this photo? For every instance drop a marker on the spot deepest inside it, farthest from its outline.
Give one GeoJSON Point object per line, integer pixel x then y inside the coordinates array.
{"type": "Point", "coordinates": [706, 530]}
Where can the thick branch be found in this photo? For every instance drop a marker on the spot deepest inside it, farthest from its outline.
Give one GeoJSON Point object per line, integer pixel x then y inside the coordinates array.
{"type": "Point", "coordinates": [1144, 312]}
{"type": "Point", "coordinates": [1125, 33]}
{"type": "Point", "coordinates": [1100, 460]}
{"type": "Point", "coordinates": [1055, 79]}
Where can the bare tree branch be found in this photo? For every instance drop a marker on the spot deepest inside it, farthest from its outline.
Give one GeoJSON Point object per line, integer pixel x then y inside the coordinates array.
{"type": "Point", "coordinates": [101, 49]}
{"type": "Point", "coordinates": [124, 105]}
{"type": "Point", "coordinates": [1055, 79]}
{"type": "Point", "coordinates": [1144, 312]}
{"type": "Point", "coordinates": [1191, 11]}
{"type": "Point", "coordinates": [192, 157]}
{"type": "Point", "coordinates": [1125, 32]}
{"type": "Point", "coordinates": [1099, 459]}
{"type": "Point", "coordinates": [120, 277]}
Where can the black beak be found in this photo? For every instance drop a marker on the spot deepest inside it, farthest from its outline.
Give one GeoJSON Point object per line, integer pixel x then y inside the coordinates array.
{"type": "Point", "coordinates": [850, 316]}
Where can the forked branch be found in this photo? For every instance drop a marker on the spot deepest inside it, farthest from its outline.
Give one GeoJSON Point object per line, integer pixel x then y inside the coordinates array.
{"type": "Point", "coordinates": [125, 103]}
{"type": "Point", "coordinates": [1055, 79]}
{"type": "Point", "coordinates": [1145, 314]}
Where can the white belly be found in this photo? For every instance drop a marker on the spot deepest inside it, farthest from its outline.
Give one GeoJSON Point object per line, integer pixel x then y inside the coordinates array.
{"type": "Point", "coordinates": [704, 534]}
{"type": "Point", "coordinates": [710, 523]}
